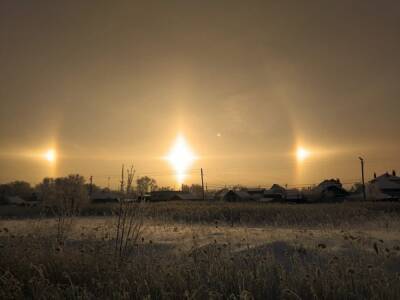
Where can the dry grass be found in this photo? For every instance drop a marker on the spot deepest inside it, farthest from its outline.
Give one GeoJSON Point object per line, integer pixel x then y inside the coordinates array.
{"type": "Point", "coordinates": [273, 214]}
{"type": "Point", "coordinates": [129, 229]}
{"type": "Point", "coordinates": [283, 257]}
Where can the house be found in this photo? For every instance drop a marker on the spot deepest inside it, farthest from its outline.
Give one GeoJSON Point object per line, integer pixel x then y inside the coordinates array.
{"type": "Point", "coordinates": [163, 195]}
{"type": "Point", "coordinates": [279, 193]}
{"type": "Point", "coordinates": [384, 187]}
{"type": "Point", "coordinates": [104, 197]}
{"type": "Point", "coordinates": [172, 196]}
{"type": "Point", "coordinates": [294, 195]}
{"type": "Point", "coordinates": [144, 198]}
{"type": "Point", "coordinates": [232, 195]}
{"type": "Point", "coordinates": [255, 193]}
{"type": "Point", "coordinates": [275, 193]}
{"type": "Point", "coordinates": [186, 196]}
{"type": "Point", "coordinates": [329, 189]}
{"type": "Point", "coordinates": [219, 195]}
{"type": "Point", "coordinates": [15, 200]}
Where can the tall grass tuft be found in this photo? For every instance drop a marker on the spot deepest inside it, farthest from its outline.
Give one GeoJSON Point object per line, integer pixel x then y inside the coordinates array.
{"type": "Point", "coordinates": [129, 228]}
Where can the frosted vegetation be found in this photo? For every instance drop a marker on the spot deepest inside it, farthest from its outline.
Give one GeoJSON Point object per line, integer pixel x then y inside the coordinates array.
{"type": "Point", "coordinates": [204, 250]}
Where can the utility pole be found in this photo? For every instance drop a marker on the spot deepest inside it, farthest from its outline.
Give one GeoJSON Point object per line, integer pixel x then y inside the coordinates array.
{"type": "Point", "coordinates": [108, 182]}
{"type": "Point", "coordinates": [122, 179]}
{"type": "Point", "coordinates": [202, 184]}
{"type": "Point", "coordinates": [362, 176]}
{"type": "Point", "coordinates": [91, 185]}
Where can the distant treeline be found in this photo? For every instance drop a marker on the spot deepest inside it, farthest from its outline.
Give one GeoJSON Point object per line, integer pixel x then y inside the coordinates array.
{"type": "Point", "coordinates": [28, 192]}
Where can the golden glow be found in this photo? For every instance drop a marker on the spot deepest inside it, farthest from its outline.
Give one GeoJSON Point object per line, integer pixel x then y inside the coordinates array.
{"type": "Point", "coordinates": [181, 158]}
{"type": "Point", "coordinates": [50, 155]}
{"type": "Point", "coordinates": [302, 154]}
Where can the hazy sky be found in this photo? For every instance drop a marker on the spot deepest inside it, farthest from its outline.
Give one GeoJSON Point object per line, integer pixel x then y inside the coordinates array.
{"type": "Point", "coordinates": [245, 82]}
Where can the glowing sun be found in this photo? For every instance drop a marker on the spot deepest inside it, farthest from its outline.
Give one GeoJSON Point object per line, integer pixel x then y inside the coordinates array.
{"type": "Point", "coordinates": [50, 155]}
{"type": "Point", "coordinates": [302, 154]}
{"type": "Point", "coordinates": [181, 158]}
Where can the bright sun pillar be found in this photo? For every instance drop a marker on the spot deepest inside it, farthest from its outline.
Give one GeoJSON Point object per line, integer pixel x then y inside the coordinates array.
{"type": "Point", "coordinates": [181, 158]}
{"type": "Point", "coordinates": [302, 154]}
{"type": "Point", "coordinates": [50, 155]}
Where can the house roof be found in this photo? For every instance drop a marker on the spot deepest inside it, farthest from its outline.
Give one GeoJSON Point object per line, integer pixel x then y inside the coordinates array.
{"type": "Point", "coordinates": [255, 190]}
{"type": "Point", "coordinates": [293, 194]}
{"type": "Point", "coordinates": [186, 196]}
{"type": "Point", "coordinates": [104, 196]}
{"type": "Point", "coordinates": [331, 187]}
{"type": "Point", "coordinates": [165, 195]}
{"type": "Point", "coordinates": [330, 182]}
{"type": "Point", "coordinates": [241, 194]}
{"type": "Point", "coordinates": [221, 193]}
{"type": "Point", "coordinates": [386, 181]}
{"type": "Point", "coordinates": [275, 189]}
{"type": "Point", "coordinates": [15, 200]}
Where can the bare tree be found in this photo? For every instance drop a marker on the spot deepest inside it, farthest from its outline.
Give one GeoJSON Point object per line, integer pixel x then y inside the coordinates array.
{"type": "Point", "coordinates": [131, 173]}
{"type": "Point", "coordinates": [16, 188]}
{"type": "Point", "coordinates": [196, 189]}
{"type": "Point", "coordinates": [146, 184]}
{"type": "Point", "coordinates": [64, 197]}
{"type": "Point", "coordinates": [129, 221]}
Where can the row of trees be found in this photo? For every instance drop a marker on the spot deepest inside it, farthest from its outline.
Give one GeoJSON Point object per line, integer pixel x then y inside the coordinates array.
{"type": "Point", "coordinates": [64, 197]}
{"type": "Point", "coordinates": [64, 187]}
{"type": "Point", "coordinates": [17, 188]}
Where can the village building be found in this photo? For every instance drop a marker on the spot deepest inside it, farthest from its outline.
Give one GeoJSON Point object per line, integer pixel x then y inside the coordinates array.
{"type": "Point", "coordinates": [104, 197]}
{"type": "Point", "coordinates": [294, 195]}
{"type": "Point", "coordinates": [172, 196]}
{"type": "Point", "coordinates": [329, 189]}
{"type": "Point", "coordinates": [275, 193]}
{"type": "Point", "coordinates": [229, 195]}
{"type": "Point", "coordinates": [15, 200]}
{"type": "Point", "coordinates": [156, 196]}
{"type": "Point", "coordinates": [187, 196]}
{"type": "Point", "coordinates": [255, 193]}
{"type": "Point", "coordinates": [384, 187]}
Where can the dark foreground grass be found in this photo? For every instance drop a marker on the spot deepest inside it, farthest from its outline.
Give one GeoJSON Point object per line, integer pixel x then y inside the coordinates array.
{"type": "Point", "coordinates": [38, 269]}
{"type": "Point", "coordinates": [35, 266]}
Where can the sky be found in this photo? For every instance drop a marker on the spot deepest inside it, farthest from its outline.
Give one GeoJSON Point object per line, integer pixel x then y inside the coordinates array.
{"type": "Point", "coordinates": [245, 84]}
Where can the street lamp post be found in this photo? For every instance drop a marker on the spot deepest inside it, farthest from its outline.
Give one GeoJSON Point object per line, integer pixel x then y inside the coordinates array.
{"type": "Point", "coordinates": [362, 176]}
